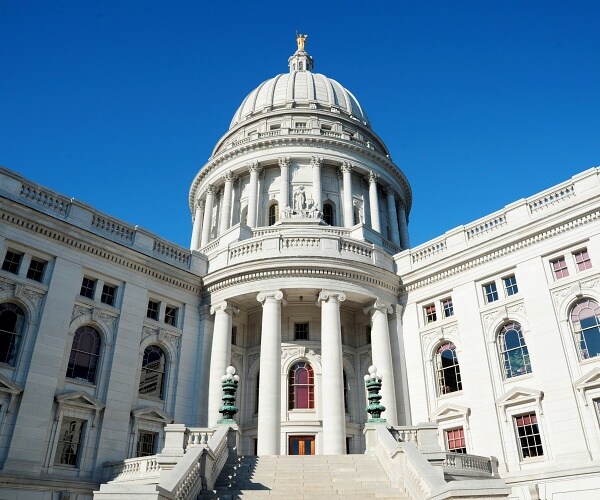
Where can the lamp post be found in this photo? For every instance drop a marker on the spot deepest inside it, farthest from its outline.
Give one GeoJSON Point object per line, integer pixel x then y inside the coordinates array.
{"type": "Point", "coordinates": [373, 384]}
{"type": "Point", "coordinates": [229, 383]}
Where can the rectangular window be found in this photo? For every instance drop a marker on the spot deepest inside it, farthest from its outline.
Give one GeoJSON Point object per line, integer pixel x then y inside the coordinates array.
{"type": "Point", "coordinates": [490, 293]}
{"type": "Point", "coordinates": [12, 261]}
{"type": "Point", "coordinates": [300, 124]}
{"type": "Point", "coordinates": [36, 270]}
{"type": "Point", "coordinates": [448, 308]}
{"type": "Point", "coordinates": [152, 311]}
{"type": "Point", "coordinates": [87, 288]}
{"type": "Point", "coordinates": [455, 440]}
{"type": "Point", "coordinates": [275, 126]}
{"type": "Point", "coordinates": [430, 315]}
{"type": "Point", "coordinates": [69, 442]}
{"type": "Point", "coordinates": [171, 313]}
{"type": "Point", "coordinates": [559, 268]}
{"type": "Point", "coordinates": [510, 285]}
{"type": "Point", "coordinates": [234, 335]}
{"type": "Point", "coordinates": [368, 334]}
{"type": "Point", "coordinates": [146, 444]}
{"type": "Point", "coordinates": [301, 331]}
{"type": "Point", "coordinates": [582, 259]}
{"type": "Point", "coordinates": [108, 294]}
{"type": "Point", "coordinates": [530, 441]}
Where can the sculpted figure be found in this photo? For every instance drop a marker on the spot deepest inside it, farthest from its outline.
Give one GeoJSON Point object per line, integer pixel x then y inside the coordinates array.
{"type": "Point", "coordinates": [299, 199]}
{"type": "Point", "coordinates": [300, 40]}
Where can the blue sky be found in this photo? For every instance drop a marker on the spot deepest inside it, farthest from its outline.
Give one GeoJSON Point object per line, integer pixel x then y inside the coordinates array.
{"type": "Point", "coordinates": [119, 104]}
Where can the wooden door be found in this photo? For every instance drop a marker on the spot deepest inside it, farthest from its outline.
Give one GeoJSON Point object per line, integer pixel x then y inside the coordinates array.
{"type": "Point", "coordinates": [301, 445]}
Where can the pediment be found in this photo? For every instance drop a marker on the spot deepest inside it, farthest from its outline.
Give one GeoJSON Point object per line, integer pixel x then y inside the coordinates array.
{"type": "Point", "coordinates": [449, 411]}
{"type": "Point", "coordinates": [7, 386]}
{"type": "Point", "coordinates": [590, 380]}
{"type": "Point", "coordinates": [79, 399]}
{"type": "Point", "coordinates": [152, 413]}
{"type": "Point", "coordinates": [519, 395]}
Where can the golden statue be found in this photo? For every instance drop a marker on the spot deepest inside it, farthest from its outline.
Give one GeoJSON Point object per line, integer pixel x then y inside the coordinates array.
{"type": "Point", "coordinates": [300, 40]}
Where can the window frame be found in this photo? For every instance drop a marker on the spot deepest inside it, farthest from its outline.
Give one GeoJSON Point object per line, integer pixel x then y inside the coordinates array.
{"type": "Point", "coordinates": [86, 291]}
{"type": "Point", "coordinates": [155, 440]}
{"type": "Point", "coordinates": [510, 285]}
{"type": "Point", "coordinates": [93, 356]}
{"type": "Point", "coordinates": [80, 443]}
{"type": "Point", "coordinates": [107, 298]}
{"type": "Point", "coordinates": [520, 438]}
{"type": "Point", "coordinates": [171, 315]}
{"type": "Point", "coordinates": [152, 312]}
{"type": "Point", "coordinates": [12, 261]}
{"type": "Point", "coordinates": [37, 274]}
{"type": "Point", "coordinates": [490, 292]}
{"type": "Point", "coordinates": [430, 313]}
{"type": "Point", "coordinates": [585, 260]}
{"type": "Point", "coordinates": [462, 449]}
{"type": "Point", "coordinates": [579, 335]}
{"type": "Point", "coordinates": [440, 370]}
{"type": "Point", "coordinates": [293, 386]}
{"type": "Point", "coordinates": [563, 270]}
{"type": "Point", "coordinates": [18, 333]}
{"type": "Point", "coordinates": [306, 333]}
{"type": "Point", "coordinates": [162, 390]}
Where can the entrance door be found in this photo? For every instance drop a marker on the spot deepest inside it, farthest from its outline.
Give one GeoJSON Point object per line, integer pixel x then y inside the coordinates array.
{"type": "Point", "coordinates": [301, 445]}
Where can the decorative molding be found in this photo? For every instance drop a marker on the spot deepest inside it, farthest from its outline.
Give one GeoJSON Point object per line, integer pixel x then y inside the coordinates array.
{"type": "Point", "coordinates": [166, 336]}
{"type": "Point", "coordinates": [288, 352]}
{"type": "Point", "coordinates": [520, 396]}
{"type": "Point", "coordinates": [450, 411]}
{"type": "Point", "coordinates": [591, 380]}
{"type": "Point", "coordinates": [325, 295]}
{"type": "Point", "coordinates": [504, 312]}
{"type": "Point", "coordinates": [111, 256]}
{"type": "Point", "coordinates": [284, 161]}
{"type": "Point", "coordinates": [262, 297]}
{"type": "Point", "coordinates": [152, 413]}
{"type": "Point", "coordinates": [6, 285]}
{"type": "Point", "coordinates": [501, 252]}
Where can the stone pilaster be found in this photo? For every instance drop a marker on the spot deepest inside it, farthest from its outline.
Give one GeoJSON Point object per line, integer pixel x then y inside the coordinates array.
{"type": "Point", "coordinates": [374, 202]}
{"type": "Point", "coordinates": [197, 230]}
{"type": "Point", "coordinates": [346, 170]}
{"type": "Point", "coordinates": [208, 210]}
{"type": "Point", "coordinates": [317, 163]}
{"type": "Point", "coordinates": [253, 193]}
{"type": "Point", "coordinates": [284, 187]}
{"type": "Point", "coordinates": [392, 215]}
{"type": "Point", "coordinates": [225, 222]}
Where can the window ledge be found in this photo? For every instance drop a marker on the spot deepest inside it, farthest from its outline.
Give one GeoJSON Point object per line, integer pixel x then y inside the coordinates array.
{"type": "Point", "coordinates": [84, 383]}
{"type": "Point", "coordinates": [533, 460]}
{"type": "Point", "coordinates": [518, 378]}
{"type": "Point", "coordinates": [151, 398]}
{"type": "Point", "coordinates": [450, 394]}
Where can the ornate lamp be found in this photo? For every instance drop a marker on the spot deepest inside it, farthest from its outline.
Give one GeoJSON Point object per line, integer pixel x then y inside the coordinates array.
{"type": "Point", "coordinates": [229, 383]}
{"type": "Point", "coordinates": [373, 383]}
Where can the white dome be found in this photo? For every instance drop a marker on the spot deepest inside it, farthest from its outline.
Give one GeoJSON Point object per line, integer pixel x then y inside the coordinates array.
{"type": "Point", "coordinates": [300, 89]}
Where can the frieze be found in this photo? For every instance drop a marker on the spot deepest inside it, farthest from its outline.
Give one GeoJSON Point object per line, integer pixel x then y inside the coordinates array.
{"type": "Point", "coordinates": [503, 312]}
{"type": "Point", "coordinates": [288, 352]}
{"type": "Point", "coordinates": [34, 296]}
{"type": "Point", "coordinates": [6, 285]}
{"type": "Point", "coordinates": [169, 337]}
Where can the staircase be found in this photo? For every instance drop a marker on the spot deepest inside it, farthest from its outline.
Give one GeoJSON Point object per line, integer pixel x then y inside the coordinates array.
{"type": "Point", "coordinates": [307, 477]}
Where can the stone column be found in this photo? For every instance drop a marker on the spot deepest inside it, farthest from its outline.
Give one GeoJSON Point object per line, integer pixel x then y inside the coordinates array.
{"type": "Point", "coordinates": [208, 210]}
{"type": "Point", "coordinates": [225, 222]}
{"type": "Point", "coordinates": [284, 187]}
{"type": "Point", "coordinates": [316, 163]}
{"type": "Point", "coordinates": [269, 391]}
{"type": "Point", "coordinates": [346, 169]}
{"type": "Point", "coordinates": [374, 202]}
{"type": "Point", "coordinates": [392, 217]}
{"type": "Point", "coordinates": [399, 364]}
{"type": "Point", "coordinates": [404, 240]}
{"type": "Point", "coordinates": [196, 232]}
{"type": "Point", "coordinates": [381, 353]}
{"type": "Point", "coordinates": [220, 357]}
{"type": "Point", "coordinates": [253, 194]}
{"type": "Point", "coordinates": [332, 400]}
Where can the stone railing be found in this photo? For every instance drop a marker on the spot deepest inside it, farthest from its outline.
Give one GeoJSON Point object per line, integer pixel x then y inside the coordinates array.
{"type": "Point", "coordinates": [551, 198]}
{"type": "Point", "coordinates": [172, 252]}
{"type": "Point", "coordinates": [486, 226]}
{"type": "Point", "coordinates": [45, 198]}
{"type": "Point", "coordinates": [428, 251]}
{"type": "Point", "coordinates": [190, 462]}
{"type": "Point", "coordinates": [421, 470]}
{"type": "Point", "coordinates": [463, 464]}
{"type": "Point", "coordinates": [134, 468]}
{"type": "Point", "coordinates": [113, 227]}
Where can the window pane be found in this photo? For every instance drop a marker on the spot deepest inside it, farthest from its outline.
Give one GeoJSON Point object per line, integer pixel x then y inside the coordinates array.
{"type": "Point", "coordinates": [153, 372]}
{"type": "Point", "coordinates": [69, 441]}
{"type": "Point", "coordinates": [12, 320]}
{"type": "Point", "coordinates": [85, 352]}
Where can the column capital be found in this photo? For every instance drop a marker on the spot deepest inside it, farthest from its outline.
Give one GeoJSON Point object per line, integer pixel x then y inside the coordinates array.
{"type": "Point", "coordinates": [316, 161]}
{"type": "Point", "coordinates": [372, 177]}
{"type": "Point", "coordinates": [267, 295]}
{"type": "Point", "coordinates": [326, 295]}
{"type": "Point", "coordinates": [229, 176]}
{"type": "Point", "coordinates": [224, 306]}
{"type": "Point", "coordinates": [379, 306]}
{"type": "Point", "coordinates": [346, 167]}
{"type": "Point", "coordinates": [211, 189]}
{"type": "Point", "coordinates": [284, 161]}
{"type": "Point", "coordinates": [389, 190]}
{"type": "Point", "coordinates": [254, 167]}
{"type": "Point", "coordinates": [200, 204]}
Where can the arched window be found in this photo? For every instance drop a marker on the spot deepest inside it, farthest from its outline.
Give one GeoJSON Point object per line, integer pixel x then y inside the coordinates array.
{"type": "Point", "coordinates": [301, 382]}
{"type": "Point", "coordinates": [512, 348]}
{"type": "Point", "coordinates": [585, 319]}
{"type": "Point", "coordinates": [273, 213]}
{"type": "Point", "coordinates": [153, 372]}
{"type": "Point", "coordinates": [447, 369]}
{"type": "Point", "coordinates": [12, 319]}
{"type": "Point", "coordinates": [85, 352]}
{"type": "Point", "coordinates": [328, 213]}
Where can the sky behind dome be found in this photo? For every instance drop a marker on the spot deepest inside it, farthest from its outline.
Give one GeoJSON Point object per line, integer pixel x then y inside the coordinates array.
{"type": "Point", "coordinates": [119, 104]}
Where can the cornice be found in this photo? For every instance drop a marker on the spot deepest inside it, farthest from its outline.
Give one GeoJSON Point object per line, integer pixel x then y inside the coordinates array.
{"type": "Point", "coordinates": [115, 257]}
{"type": "Point", "coordinates": [299, 271]}
{"type": "Point", "coordinates": [313, 141]}
{"type": "Point", "coordinates": [536, 237]}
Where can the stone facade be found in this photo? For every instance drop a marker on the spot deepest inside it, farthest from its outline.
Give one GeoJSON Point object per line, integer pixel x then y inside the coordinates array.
{"type": "Point", "coordinates": [301, 276]}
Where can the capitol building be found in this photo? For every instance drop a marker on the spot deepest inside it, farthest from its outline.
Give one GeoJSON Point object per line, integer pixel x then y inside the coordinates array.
{"type": "Point", "coordinates": [300, 275]}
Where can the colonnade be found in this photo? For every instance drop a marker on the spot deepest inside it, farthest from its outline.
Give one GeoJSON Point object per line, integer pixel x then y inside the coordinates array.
{"type": "Point", "coordinates": [203, 210]}
{"type": "Point", "coordinates": [332, 386]}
